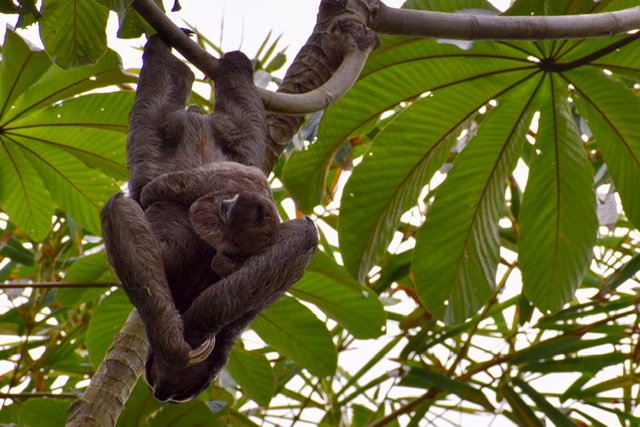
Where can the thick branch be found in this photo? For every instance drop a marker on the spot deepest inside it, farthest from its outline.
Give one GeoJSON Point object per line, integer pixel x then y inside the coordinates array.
{"type": "Point", "coordinates": [389, 20]}
{"type": "Point", "coordinates": [462, 26]}
{"type": "Point", "coordinates": [335, 34]}
{"type": "Point", "coordinates": [174, 36]}
{"type": "Point", "coordinates": [114, 379]}
{"type": "Point", "coordinates": [316, 100]}
{"type": "Point", "coordinates": [319, 99]}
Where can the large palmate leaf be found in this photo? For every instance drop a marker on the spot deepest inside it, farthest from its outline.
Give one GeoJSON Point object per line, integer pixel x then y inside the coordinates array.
{"type": "Point", "coordinates": [58, 149]}
{"type": "Point", "coordinates": [414, 69]}
{"type": "Point", "coordinates": [52, 412]}
{"type": "Point", "coordinates": [455, 271]}
{"type": "Point", "coordinates": [400, 70]}
{"type": "Point", "coordinates": [401, 162]}
{"type": "Point", "coordinates": [294, 331]}
{"type": "Point", "coordinates": [614, 122]}
{"type": "Point", "coordinates": [253, 372]}
{"type": "Point", "coordinates": [558, 215]}
{"type": "Point", "coordinates": [339, 296]}
{"type": "Point", "coordinates": [73, 31]}
{"type": "Point", "coordinates": [105, 324]}
{"type": "Point", "coordinates": [414, 96]}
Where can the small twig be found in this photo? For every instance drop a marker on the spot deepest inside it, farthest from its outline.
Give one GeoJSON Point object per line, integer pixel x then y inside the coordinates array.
{"type": "Point", "coordinates": [37, 394]}
{"type": "Point", "coordinates": [48, 285]}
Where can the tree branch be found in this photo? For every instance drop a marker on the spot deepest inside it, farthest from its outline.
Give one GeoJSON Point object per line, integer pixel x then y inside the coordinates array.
{"type": "Point", "coordinates": [319, 99]}
{"type": "Point", "coordinates": [49, 285]}
{"type": "Point", "coordinates": [462, 26]}
{"type": "Point", "coordinates": [114, 379]}
{"type": "Point", "coordinates": [315, 100]}
{"type": "Point", "coordinates": [388, 20]}
{"type": "Point", "coordinates": [174, 36]}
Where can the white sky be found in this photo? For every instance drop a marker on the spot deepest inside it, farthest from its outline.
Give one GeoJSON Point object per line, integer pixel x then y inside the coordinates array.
{"type": "Point", "coordinates": [231, 24]}
{"type": "Point", "coordinates": [243, 23]}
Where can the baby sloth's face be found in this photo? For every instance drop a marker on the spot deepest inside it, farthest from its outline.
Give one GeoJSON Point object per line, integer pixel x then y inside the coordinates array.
{"type": "Point", "coordinates": [250, 223]}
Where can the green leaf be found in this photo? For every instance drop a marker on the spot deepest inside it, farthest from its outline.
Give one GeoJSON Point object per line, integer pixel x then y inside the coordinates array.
{"type": "Point", "coordinates": [66, 358]}
{"type": "Point", "coordinates": [90, 269]}
{"type": "Point", "coordinates": [29, 13]}
{"type": "Point", "coordinates": [399, 74]}
{"type": "Point", "coordinates": [73, 32]}
{"type": "Point", "coordinates": [521, 410]}
{"type": "Point", "coordinates": [565, 344]}
{"type": "Point", "coordinates": [621, 382]}
{"type": "Point", "coordinates": [53, 149]}
{"type": "Point", "coordinates": [253, 372]}
{"type": "Point", "coordinates": [7, 6]}
{"type": "Point", "coordinates": [590, 364]}
{"type": "Point", "coordinates": [56, 85]}
{"type": "Point", "coordinates": [41, 412]}
{"type": "Point", "coordinates": [192, 413]}
{"type": "Point", "coordinates": [73, 186]}
{"type": "Point", "coordinates": [558, 217]}
{"type": "Point", "coordinates": [328, 286]}
{"type": "Point", "coordinates": [22, 194]}
{"type": "Point", "coordinates": [10, 415]}
{"type": "Point", "coordinates": [15, 251]}
{"type": "Point", "coordinates": [555, 415]}
{"type": "Point", "coordinates": [455, 270]}
{"type": "Point", "coordinates": [21, 67]}
{"type": "Point", "coordinates": [117, 5]}
{"type": "Point", "coordinates": [294, 331]}
{"type": "Point", "coordinates": [401, 161]}
{"type": "Point", "coordinates": [139, 408]}
{"type": "Point", "coordinates": [621, 54]}
{"type": "Point", "coordinates": [92, 128]}
{"type": "Point", "coordinates": [622, 274]}
{"type": "Point", "coordinates": [426, 378]}
{"type": "Point", "coordinates": [142, 409]}
{"type": "Point", "coordinates": [106, 322]}
{"type": "Point", "coordinates": [574, 389]}
{"type": "Point", "coordinates": [592, 422]}
{"type": "Point", "coordinates": [132, 25]}
{"type": "Point", "coordinates": [611, 110]}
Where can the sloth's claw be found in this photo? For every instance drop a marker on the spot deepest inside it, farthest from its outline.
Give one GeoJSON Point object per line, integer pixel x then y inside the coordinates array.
{"type": "Point", "coordinates": [200, 354]}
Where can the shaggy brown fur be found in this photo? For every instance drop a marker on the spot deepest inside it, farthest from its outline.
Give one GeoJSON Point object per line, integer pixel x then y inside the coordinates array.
{"type": "Point", "coordinates": [182, 162]}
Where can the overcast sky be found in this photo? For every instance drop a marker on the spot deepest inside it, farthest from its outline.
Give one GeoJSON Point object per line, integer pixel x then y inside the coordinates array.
{"type": "Point", "coordinates": [243, 23]}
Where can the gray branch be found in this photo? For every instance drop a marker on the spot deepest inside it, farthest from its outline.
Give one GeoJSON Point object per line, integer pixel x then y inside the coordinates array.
{"type": "Point", "coordinates": [462, 26]}
{"type": "Point", "coordinates": [320, 98]}
{"type": "Point", "coordinates": [114, 379]}
{"type": "Point", "coordinates": [388, 20]}
{"type": "Point", "coordinates": [315, 100]}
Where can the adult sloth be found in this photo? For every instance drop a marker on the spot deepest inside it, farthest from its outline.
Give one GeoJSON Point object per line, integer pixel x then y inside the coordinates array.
{"type": "Point", "coordinates": [163, 263]}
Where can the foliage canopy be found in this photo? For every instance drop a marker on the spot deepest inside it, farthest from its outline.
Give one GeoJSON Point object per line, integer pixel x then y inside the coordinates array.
{"type": "Point", "coordinates": [487, 245]}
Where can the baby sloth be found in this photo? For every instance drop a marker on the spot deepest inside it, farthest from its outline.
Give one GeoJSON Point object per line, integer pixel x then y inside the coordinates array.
{"type": "Point", "coordinates": [237, 228]}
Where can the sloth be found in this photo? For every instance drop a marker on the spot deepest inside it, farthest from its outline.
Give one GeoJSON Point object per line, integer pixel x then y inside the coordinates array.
{"type": "Point", "coordinates": [238, 228]}
{"type": "Point", "coordinates": [237, 216]}
{"type": "Point", "coordinates": [185, 165]}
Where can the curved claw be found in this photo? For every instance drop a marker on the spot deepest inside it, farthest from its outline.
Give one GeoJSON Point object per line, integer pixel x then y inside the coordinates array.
{"type": "Point", "coordinates": [200, 354]}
